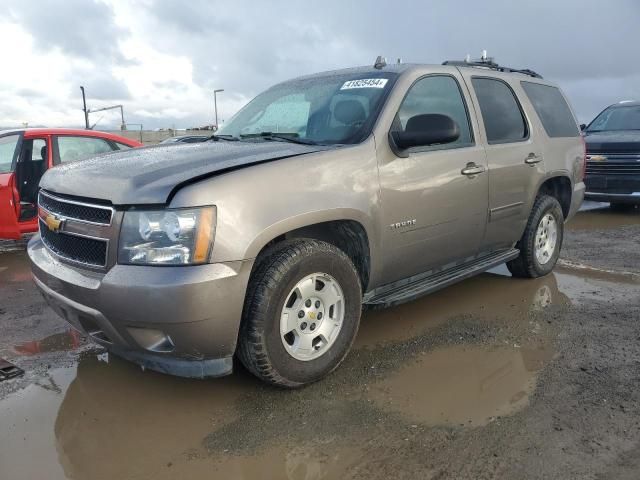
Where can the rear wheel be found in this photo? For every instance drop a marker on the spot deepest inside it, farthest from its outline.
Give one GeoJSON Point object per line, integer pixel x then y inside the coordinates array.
{"type": "Point", "coordinates": [541, 241]}
{"type": "Point", "coordinates": [301, 314]}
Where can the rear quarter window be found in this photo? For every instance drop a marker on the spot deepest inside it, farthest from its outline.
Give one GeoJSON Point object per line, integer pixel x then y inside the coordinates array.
{"type": "Point", "coordinates": [550, 105]}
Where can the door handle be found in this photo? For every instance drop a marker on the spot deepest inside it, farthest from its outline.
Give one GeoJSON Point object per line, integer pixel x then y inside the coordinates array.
{"type": "Point", "coordinates": [472, 169]}
{"type": "Point", "coordinates": [532, 159]}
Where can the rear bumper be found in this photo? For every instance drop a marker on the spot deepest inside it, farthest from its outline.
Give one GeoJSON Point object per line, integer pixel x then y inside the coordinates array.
{"type": "Point", "coordinates": [178, 320]}
{"type": "Point", "coordinates": [577, 198]}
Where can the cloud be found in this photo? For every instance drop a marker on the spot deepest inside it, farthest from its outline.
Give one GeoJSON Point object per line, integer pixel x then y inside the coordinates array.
{"type": "Point", "coordinates": [162, 58]}
{"type": "Point", "coordinates": [80, 28]}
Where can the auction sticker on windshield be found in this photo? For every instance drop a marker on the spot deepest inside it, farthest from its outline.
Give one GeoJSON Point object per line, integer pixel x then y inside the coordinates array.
{"type": "Point", "coordinates": [365, 83]}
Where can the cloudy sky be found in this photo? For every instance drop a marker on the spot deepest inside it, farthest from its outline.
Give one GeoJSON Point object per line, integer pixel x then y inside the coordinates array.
{"type": "Point", "coordinates": [162, 59]}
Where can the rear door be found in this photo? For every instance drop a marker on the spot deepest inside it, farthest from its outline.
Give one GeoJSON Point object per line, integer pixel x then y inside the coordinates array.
{"type": "Point", "coordinates": [515, 159]}
{"type": "Point", "coordinates": [9, 198]}
{"type": "Point", "coordinates": [72, 148]}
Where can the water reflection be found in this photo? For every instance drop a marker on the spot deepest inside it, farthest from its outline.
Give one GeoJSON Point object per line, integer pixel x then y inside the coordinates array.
{"type": "Point", "coordinates": [463, 385]}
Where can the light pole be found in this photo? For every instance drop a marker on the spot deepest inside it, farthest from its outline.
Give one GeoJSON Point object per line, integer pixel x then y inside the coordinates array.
{"type": "Point", "coordinates": [84, 109]}
{"type": "Point", "coordinates": [215, 104]}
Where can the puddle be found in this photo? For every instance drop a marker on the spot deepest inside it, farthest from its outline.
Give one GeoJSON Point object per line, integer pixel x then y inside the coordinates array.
{"type": "Point", "coordinates": [494, 295]}
{"type": "Point", "coordinates": [14, 268]}
{"type": "Point", "coordinates": [299, 462]}
{"type": "Point", "coordinates": [110, 420]}
{"type": "Point", "coordinates": [598, 216]}
{"type": "Point", "coordinates": [463, 385]}
{"type": "Point", "coordinates": [59, 342]}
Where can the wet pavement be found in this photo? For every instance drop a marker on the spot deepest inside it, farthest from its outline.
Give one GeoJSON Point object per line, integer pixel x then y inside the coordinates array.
{"type": "Point", "coordinates": [492, 378]}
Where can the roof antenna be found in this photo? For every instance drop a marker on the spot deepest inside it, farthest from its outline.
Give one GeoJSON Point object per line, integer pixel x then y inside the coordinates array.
{"type": "Point", "coordinates": [381, 62]}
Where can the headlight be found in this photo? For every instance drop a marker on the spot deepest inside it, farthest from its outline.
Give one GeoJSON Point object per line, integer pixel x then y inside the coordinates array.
{"type": "Point", "coordinates": [167, 237]}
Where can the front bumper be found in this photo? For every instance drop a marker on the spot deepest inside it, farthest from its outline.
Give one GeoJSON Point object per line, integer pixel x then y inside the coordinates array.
{"type": "Point", "coordinates": [630, 198]}
{"type": "Point", "coordinates": [613, 188]}
{"type": "Point", "coordinates": [178, 320]}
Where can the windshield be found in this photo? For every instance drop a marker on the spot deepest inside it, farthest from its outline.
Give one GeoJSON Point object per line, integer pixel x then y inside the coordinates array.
{"type": "Point", "coordinates": [330, 109]}
{"type": "Point", "coordinates": [617, 118]}
{"type": "Point", "coordinates": [7, 152]}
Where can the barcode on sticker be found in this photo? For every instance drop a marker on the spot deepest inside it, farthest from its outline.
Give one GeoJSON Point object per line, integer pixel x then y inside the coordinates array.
{"type": "Point", "coordinates": [364, 83]}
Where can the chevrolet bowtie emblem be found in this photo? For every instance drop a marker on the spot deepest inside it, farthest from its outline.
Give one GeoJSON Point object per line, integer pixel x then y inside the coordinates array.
{"type": "Point", "coordinates": [53, 223]}
{"type": "Point", "coordinates": [598, 158]}
{"type": "Point", "coordinates": [312, 315]}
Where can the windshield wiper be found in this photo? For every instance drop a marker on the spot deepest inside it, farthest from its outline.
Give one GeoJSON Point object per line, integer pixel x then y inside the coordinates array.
{"type": "Point", "coordinates": [229, 138]}
{"type": "Point", "coordinates": [291, 137]}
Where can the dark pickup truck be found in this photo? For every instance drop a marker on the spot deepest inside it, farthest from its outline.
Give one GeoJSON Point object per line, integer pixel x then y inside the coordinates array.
{"type": "Point", "coordinates": [613, 155]}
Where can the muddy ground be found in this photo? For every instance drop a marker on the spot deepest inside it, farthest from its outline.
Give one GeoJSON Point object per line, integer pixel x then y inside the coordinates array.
{"type": "Point", "coordinates": [492, 378]}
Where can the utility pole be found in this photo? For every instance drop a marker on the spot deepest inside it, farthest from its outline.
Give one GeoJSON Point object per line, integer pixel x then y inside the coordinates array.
{"type": "Point", "coordinates": [84, 109]}
{"type": "Point", "coordinates": [215, 104]}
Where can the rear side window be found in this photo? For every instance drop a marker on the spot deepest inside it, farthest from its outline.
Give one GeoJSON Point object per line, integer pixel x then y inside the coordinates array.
{"type": "Point", "coordinates": [552, 108]}
{"type": "Point", "coordinates": [38, 147]}
{"type": "Point", "coordinates": [8, 146]}
{"type": "Point", "coordinates": [501, 112]}
{"type": "Point", "coordinates": [71, 149]}
{"type": "Point", "coordinates": [122, 146]}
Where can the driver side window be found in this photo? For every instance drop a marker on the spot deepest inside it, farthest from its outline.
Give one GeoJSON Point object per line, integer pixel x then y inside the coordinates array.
{"type": "Point", "coordinates": [437, 94]}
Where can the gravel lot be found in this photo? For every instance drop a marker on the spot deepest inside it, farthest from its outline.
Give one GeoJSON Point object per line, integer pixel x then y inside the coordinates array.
{"type": "Point", "coordinates": [492, 378]}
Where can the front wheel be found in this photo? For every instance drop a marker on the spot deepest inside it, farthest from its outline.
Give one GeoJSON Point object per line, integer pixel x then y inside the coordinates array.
{"type": "Point", "coordinates": [541, 241]}
{"type": "Point", "coordinates": [301, 314]}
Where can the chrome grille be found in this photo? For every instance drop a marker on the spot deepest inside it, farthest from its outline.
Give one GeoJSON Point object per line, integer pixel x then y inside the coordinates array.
{"type": "Point", "coordinates": [75, 248]}
{"type": "Point", "coordinates": [71, 209]}
{"type": "Point", "coordinates": [610, 167]}
{"type": "Point", "coordinates": [76, 231]}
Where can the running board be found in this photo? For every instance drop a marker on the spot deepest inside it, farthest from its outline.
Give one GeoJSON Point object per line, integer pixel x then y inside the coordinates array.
{"type": "Point", "coordinates": [413, 287]}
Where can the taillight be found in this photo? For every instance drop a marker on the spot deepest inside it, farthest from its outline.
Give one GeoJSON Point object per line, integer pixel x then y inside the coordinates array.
{"type": "Point", "coordinates": [584, 157]}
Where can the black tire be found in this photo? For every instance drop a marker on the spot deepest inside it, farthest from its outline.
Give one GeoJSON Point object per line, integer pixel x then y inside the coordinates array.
{"type": "Point", "coordinates": [260, 346]}
{"type": "Point", "coordinates": [526, 264]}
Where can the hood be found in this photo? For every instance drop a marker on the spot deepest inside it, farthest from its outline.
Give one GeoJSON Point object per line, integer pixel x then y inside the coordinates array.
{"type": "Point", "coordinates": [149, 175]}
{"type": "Point", "coordinates": [612, 141]}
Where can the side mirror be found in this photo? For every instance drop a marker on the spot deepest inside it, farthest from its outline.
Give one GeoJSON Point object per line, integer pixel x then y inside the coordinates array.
{"type": "Point", "coordinates": [427, 129]}
{"type": "Point", "coordinates": [583, 126]}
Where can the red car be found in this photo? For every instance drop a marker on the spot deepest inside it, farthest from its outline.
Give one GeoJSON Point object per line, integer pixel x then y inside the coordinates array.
{"type": "Point", "coordinates": [24, 157]}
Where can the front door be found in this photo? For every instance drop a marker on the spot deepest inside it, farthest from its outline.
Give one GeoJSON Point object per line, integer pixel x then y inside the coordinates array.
{"type": "Point", "coordinates": [434, 199]}
{"type": "Point", "coordinates": [9, 198]}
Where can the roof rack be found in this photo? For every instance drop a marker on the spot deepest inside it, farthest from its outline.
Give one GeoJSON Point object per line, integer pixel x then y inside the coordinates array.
{"type": "Point", "coordinates": [487, 62]}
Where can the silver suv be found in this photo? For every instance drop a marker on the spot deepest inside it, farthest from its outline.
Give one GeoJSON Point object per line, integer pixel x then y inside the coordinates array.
{"type": "Point", "coordinates": [368, 186]}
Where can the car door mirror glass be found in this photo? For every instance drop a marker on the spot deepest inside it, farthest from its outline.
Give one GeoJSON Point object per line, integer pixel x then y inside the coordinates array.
{"type": "Point", "coordinates": [426, 130]}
